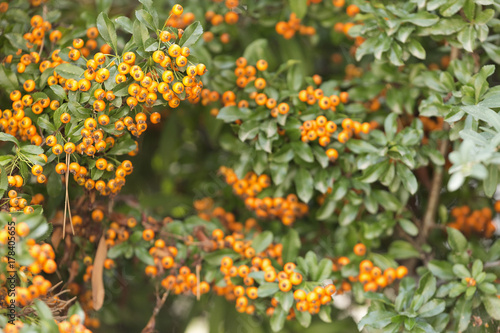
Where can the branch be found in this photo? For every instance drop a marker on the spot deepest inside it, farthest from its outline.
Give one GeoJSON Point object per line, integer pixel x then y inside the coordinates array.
{"type": "Point", "coordinates": [429, 220]}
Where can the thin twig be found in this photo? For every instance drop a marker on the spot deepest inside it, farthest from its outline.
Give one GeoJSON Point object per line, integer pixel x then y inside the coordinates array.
{"type": "Point", "coordinates": [66, 201]}
{"type": "Point", "coordinates": [492, 264]}
{"type": "Point", "coordinates": [198, 268]}
{"type": "Point", "coordinates": [150, 326]}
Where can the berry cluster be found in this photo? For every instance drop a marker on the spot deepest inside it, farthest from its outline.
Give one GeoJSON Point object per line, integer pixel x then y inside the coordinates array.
{"type": "Point", "coordinates": [474, 222]}
{"type": "Point", "coordinates": [287, 209]}
{"type": "Point", "coordinates": [288, 29]}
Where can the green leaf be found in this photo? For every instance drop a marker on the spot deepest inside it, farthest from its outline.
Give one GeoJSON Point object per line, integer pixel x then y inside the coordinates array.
{"type": "Point", "coordinates": [260, 162]}
{"type": "Point", "coordinates": [491, 181]}
{"type": "Point", "coordinates": [321, 157]}
{"type": "Point", "coordinates": [107, 31]}
{"type": "Point", "coordinates": [408, 226]}
{"type": "Point", "coordinates": [304, 184]}
{"type": "Point", "coordinates": [311, 261]}
{"type": "Point", "coordinates": [16, 40]}
{"type": "Point", "coordinates": [278, 172]}
{"type": "Point", "coordinates": [295, 76]}
{"type": "Point", "coordinates": [447, 26]}
{"type": "Point", "coordinates": [327, 209]}
{"type": "Point", "coordinates": [348, 214]}
{"type": "Point", "coordinates": [395, 55]}
{"type": "Point", "coordinates": [291, 246]}
{"type": "Point", "coordinates": [405, 293]}
{"type": "Point", "coordinates": [59, 91]}
{"type": "Point", "coordinates": [387, 200]}
{"type": "Point", "coordinates": [391, 125]}
{"type": "Point", "coordinates": [285, 154]}
{"type": "Point", "coordinates": [8, 137]}
{"type": "Point", "coordinates": [44, 122]}
{"type": "Point", "coordinates": [140, 34]}
{"type": "Point", "coordinates": [8, 80]}
{"type": "Point", "coordinates": [123, 147]}
{"type": "Point", "coordinates": [485, 114]}
{"type": "Point", "coordinates": [361, 146]}
{"type": "Point", "coordinates": [249, 129]}
{"type": "Point", "coordinates": [426, 289]}
{"type": "Point", "coordinates": [416, 49]}
{"type": "Point", "coordinates": [441, 269]}
{"type": "Point", "coordinates": [488, 288]}
{"type": "Point", "coordinates": [54, 185]}
{"type": "Point", "coordinates": [143, 255]}
{"type": "Point", "coordinates": [214, 258]}
{"type": "Point", "coordinates": [402, 250]}
{"type": "Point", "coordinates": [325, 314]}
{"type": "Point", "coordinates": [262, 241]}
{"type": "Point", "coordinates": [77, 309]}
{"type": "Point", "coordinates": [299, 7]}
{"type": "Point", "coordinates": [4, 184]}
{"type": "Point", "coordinates": [32, 149]}
{"type": "Point", "coordinates": [304, 318]}
{"type": "Point", "coordinates": [480, 82]}
{"type": "Point", "coordinates": [376, 319]}
{"type": "Point", "coordinates": [125, 23]}
{"type": "Point", "coordinates": [69, 71]}
{"type": "Point", "coordinates": [374, 172]}
{"type": "Point", "coordinates": [477, 268]}
{"type": "Point", "coordinates": [151, 8]}
{"type": "Point", "coordinates": [432, 308]}
{"type": "Point", "coordinates": [467, 38]}
{"type": "Point", "coordinates": [43, 311]}
{"type": "Point", "coordinates": [146, 18]}
{"type": "Point", "coordinates": [422, 19]}
{"type": "Point", "coordinates": [457, 241]}
{"type": "Point", "coordinates": [484, 16]}
{"type": "Point", "coordinates": [117, 250]}
{"type": "Point", "coordinates": [322, 271]}
{"type": "Point", "coordinates": [461, 271]}
{"type": "Point", "coordinates": [268, 289]}
{"type": "Point", "coordinates": [278, 319]}
{"type": "Point", "coordinates": [407, 177]}
{"type": "Point", "coordinates": [232, 113]}
{"type": "Point", "coordinates": [464, 312]}
{"type": "Point", "coordinates": [191, 34]}
{"type": "Point", "coordinates": [469, 9]}
{"type": "Point", "coordinates": [303, 150]}
{"type": "Point", "coordinates": [285, 300]}
{"type": "Point", "coordinates": [451, 7]}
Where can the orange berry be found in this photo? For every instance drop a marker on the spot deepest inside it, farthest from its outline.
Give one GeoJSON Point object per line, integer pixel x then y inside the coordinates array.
{"type": "Point", "coordinates": [360, 249]}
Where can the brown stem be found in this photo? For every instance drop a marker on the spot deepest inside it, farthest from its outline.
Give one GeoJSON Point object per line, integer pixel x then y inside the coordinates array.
{"type": "Point", "coordinates": [429, 220]}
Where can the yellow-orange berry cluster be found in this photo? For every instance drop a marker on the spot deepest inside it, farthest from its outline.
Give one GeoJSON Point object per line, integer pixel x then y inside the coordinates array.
{"type": "Point", "coordinates": [226, 15]}
{"type": "Point", "coordinates": [313, 96]}
{"type": "Point", "coordinates": [286, 209]}
{"type": "Point", "coordinates": [179, 19]}
{"type": "Point", "coordinates": [288, 29]}
{"type": "Point", "coordinates": [319, 129]}
{"type": "Point", "coordinates": [371, 276]}
{"type": "Point", "coordinates": [206, 210]}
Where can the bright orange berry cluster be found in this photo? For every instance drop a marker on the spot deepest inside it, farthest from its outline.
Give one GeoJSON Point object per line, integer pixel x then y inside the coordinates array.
{"type": "Point", "coordinates": [474, 222]}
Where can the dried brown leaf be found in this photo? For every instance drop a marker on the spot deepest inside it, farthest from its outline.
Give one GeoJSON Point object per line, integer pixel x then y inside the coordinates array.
{"type": "Point", "coordinates": [97, 272]}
